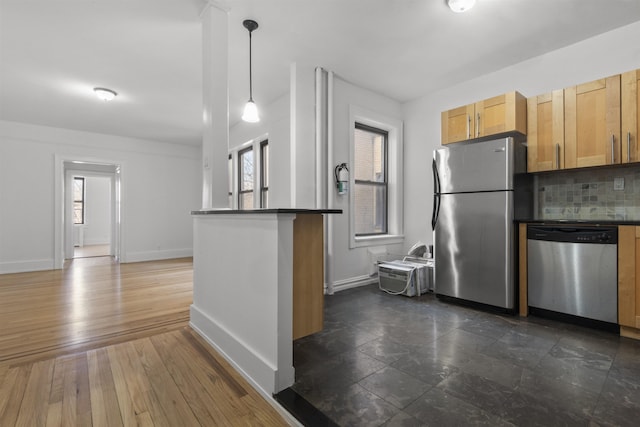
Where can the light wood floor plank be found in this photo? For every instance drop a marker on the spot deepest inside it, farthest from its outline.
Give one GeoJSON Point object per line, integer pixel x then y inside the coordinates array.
{"type": "Point", "coordinates": [11, 394]}
{"type": "Point", "coordinates": [104, 401]}
{"type": "Point", "coordinates": [36, 395]}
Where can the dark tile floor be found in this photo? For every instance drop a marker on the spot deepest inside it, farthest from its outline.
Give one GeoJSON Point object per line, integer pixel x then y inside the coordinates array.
{"type": "Point", "coordinates": [397, 361]}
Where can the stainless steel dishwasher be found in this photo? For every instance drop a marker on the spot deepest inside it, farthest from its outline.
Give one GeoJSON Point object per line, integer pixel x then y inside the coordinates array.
{"type": "Point", "coordinates": [574, 270]}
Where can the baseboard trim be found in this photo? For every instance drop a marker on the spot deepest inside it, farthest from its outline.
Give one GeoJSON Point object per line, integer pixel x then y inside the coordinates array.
{"type": "Point", "coordinates": [157, 255]}
{"type": "Point", "coordinates": [353, 282]}
{"type": "Point", "coordinates": [26, 266]}
{"type": "Point", "coordinates": [259, 372]}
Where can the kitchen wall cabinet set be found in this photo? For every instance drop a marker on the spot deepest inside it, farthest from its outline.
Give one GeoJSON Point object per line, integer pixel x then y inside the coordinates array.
{"type": "Point", "coordinates": [493, 116]}
{"type": "Point", "coordinates": [590, 124]}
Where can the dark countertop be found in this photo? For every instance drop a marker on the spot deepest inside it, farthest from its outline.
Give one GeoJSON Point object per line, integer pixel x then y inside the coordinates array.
{"type": "Point", "coordinates": [265, 211]}
{"type": "Point", "coordinates": [577, 221]}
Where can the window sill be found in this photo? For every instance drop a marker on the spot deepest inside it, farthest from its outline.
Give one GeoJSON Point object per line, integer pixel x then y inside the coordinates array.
{"type": "Point", "coordinates": [386, 239]}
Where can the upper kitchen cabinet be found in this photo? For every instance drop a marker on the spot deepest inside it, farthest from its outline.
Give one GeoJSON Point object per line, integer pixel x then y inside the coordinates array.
{"type": "Point", "coordinates": [503, 113]}
{"type": "Point", "coordinates": [545, 132]}
{"type": "Point", "coordinates": [630, 97]}
{"type": "Point", "coordinates": [592, 123]}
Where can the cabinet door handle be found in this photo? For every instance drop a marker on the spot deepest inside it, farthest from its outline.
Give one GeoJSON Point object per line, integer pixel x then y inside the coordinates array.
{"type": "Point", "coordinates": [468, 126]}
{"type": "Point", "coordinates": [628, 147]}
{"type": "Point", "coordinates": [613, 149]}
{"type": "Point", "coordinates": [557, 156]}
{"type": "Point", "coordinates": [478, 124]}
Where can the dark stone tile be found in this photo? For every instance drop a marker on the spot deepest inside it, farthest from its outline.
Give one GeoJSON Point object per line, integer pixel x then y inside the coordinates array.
{"type": "Point", "coordinates": [425, 367]}
{"type": "Point", "coordinates": [523, 409]}
{"type": "Point", "coordinates": [572, 372]}
{"type": "Point", "coordinates": [437, 408]}
{"type": "Point", "coordinates": [616, 411]}
{"type": "Point", "coordinates": [622, 389]}
{"type": "Point", "coordinates": [499, 371]}
{"type": "Point", "coordinates": [385, 350]}
{"type": "Point", "coordinates": [355, 406]}
{"type": "Point", "coordinates": [520, 348]}
{"type": "Point", "coordinates": [491, 326]}
{"type": "Point", "coordinates": [481, 392]}
{"type": "Point", "coordinates": [464, 340]}
{"type": "Point", "coordinates": [581, 356]}
{"type": "Point", "coordinates": [574, 398]}
{"type": "Point", "coordinates": [338, 371]}
{"type": "Point", "coordinates": [394, 386]}
{"type": "Point", "coordinates": [402, 419]}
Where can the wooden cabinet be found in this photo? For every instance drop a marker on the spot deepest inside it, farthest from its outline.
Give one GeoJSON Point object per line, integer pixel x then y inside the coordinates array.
{"type": "Point", "coordinates": [630, 100]}
{"type": "Point", "coordinates": [545, 132]}
{"type": "Point", "coordinates": [503, 113]}
{"type": "Point", "coordinates": [629, 281]}
{"type": "Point", "coordinates": [592, 123]}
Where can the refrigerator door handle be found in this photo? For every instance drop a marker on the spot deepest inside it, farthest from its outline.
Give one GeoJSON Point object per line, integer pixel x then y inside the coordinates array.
{"type": "Point", "coordinates": [436, 195]}
{"type": "Point", "coordinates": [436, 177]}
{"type": "Point", "coordinates": [436, 211]}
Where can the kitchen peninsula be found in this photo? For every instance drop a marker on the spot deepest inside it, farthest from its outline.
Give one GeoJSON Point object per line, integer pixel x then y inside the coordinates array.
{"type": "Point", "coordinates": [258, 278]}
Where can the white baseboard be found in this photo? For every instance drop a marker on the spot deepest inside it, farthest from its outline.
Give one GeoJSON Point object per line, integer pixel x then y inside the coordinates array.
{"type": "Point", "coordinates": [24, 266]}
{"type": "Point", "coordinates": [353, 282]}
{"type": "Point", "coordinates": [262, 374]}
{"type": "Point", "coordinates": [157, 255]}
{"type": "Point", "coordinates": [208, 328]}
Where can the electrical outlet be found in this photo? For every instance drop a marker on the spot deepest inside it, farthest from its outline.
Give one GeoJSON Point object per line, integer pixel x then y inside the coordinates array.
{"type": "Point", "coordinates": [618, 184]}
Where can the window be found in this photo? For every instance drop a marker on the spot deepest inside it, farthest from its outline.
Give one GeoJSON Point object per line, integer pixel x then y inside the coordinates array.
{"type": "Point", "coordinates": [245, 178]}
{"type": "Point", "coordinates": [78, 200]}
{"type": "Point", "coordinates": [376, 188]}
{"type": "Point", "coordinates": [370, 180]}
{"type": "Point", "coordinates": [264, 174]}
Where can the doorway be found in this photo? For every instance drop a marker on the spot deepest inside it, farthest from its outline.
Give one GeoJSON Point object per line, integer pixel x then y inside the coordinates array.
{"type": "Point", "coordinates": [88, 217]}
{"type": "Point", "coordinates": [91, 215]}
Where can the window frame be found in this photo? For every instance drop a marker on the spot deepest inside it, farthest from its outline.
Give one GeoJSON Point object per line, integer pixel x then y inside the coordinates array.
{"type": "Point", "coordinates": [240, 174]}
{"type": "Point", "coordinates": [264, 170]}
{"type": "Point", "coordinates": [395, 178]}
{"type": "Point", "coordinates": [82, 201]}
{"type": "Point", "coordinates": [384, 184]}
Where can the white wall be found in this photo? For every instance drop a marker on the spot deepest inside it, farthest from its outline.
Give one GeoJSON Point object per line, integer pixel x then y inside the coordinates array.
{"type": "Point", "coordinates": [97, 227]}
{"type": "Point", "coordinates": [610, 53]}
{"type": "Point", "coordinates": [349, 266]}
{"type": "Point", "coordinates": [160, 186]}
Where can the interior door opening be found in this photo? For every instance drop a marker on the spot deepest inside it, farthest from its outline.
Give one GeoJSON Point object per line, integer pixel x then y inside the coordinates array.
{"type": "Point", "coordinates": [91, 211]}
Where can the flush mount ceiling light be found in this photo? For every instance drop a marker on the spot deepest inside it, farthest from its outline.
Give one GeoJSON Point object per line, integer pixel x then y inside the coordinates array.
{"type": "Point", "coordinates": [104, 94]}
{"type": "Point", "coordinates": [460, 6]}
{"type": "Point", "coordinates": [250, 110]}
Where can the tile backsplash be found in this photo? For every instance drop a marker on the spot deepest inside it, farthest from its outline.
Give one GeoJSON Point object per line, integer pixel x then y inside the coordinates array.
{"type": "Point", "coordinates": [589, 194]}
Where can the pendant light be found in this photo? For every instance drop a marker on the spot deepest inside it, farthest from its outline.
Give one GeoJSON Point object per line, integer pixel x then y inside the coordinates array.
{"type": "Point", "coordinates": [250, 110]}
{"type": "Point", "coordinates": [460, 6]}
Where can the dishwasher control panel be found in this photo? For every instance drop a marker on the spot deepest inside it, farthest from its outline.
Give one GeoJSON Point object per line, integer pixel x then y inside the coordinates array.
{"type": "Point", "coordinates": [574, 234]}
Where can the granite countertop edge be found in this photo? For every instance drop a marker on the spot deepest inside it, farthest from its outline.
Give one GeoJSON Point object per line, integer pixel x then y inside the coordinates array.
{"type": "Point", "coordinates": [265, 211]}
{"type": "Point", "coordinates": [577, 221]}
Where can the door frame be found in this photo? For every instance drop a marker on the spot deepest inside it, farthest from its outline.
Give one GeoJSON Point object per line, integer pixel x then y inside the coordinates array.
{"type": "Point", "coordinates": [65, 168]}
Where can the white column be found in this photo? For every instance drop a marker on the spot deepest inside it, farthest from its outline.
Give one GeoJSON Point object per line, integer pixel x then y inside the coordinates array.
{"type": "Point", "coordinates": [215, 103]}
{"type": "Point", "coordinates": [303, 150]}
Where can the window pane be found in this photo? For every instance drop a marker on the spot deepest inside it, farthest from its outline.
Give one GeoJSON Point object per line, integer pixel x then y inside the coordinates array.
{"type": "Point", "coordinates": [78, 217]}
{"type": "Point", "coordinates": [246, 170]}
{"type": "Point", "coordinates": [370, 209]}
{"type": "Point", "coordinates": [265, 165]}
{"type": "Point", "coordinates": [78, 189]}
{"type": "Point", "coordinates": [246, 200]}
{"type": "Point", "coordinates": [369, 155]}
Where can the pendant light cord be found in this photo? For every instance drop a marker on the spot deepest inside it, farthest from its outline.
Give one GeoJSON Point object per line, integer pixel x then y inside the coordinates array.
{"type": "Point", "coordinates": [250, 66]}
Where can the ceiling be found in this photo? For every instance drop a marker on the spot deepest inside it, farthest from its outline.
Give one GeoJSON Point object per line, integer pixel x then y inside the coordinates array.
{"type": "Point", "coordinates": [52, 53]}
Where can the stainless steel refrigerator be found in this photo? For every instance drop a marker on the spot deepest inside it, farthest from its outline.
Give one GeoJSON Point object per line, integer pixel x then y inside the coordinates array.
{"type": "Point", "coordinates": [479, 187]}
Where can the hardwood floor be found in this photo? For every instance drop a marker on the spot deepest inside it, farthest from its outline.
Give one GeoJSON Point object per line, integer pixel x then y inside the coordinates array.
{"type": "Point", "coordinates": [104, 344]}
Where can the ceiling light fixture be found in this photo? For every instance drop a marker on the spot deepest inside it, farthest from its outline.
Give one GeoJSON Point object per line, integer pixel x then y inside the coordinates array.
{"type": "Point", "coordinates": [104, 94]}
{"type": "Point", "coordinates": [250, 110]}
{"type": "Point", "coordinates": [460, 6]}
